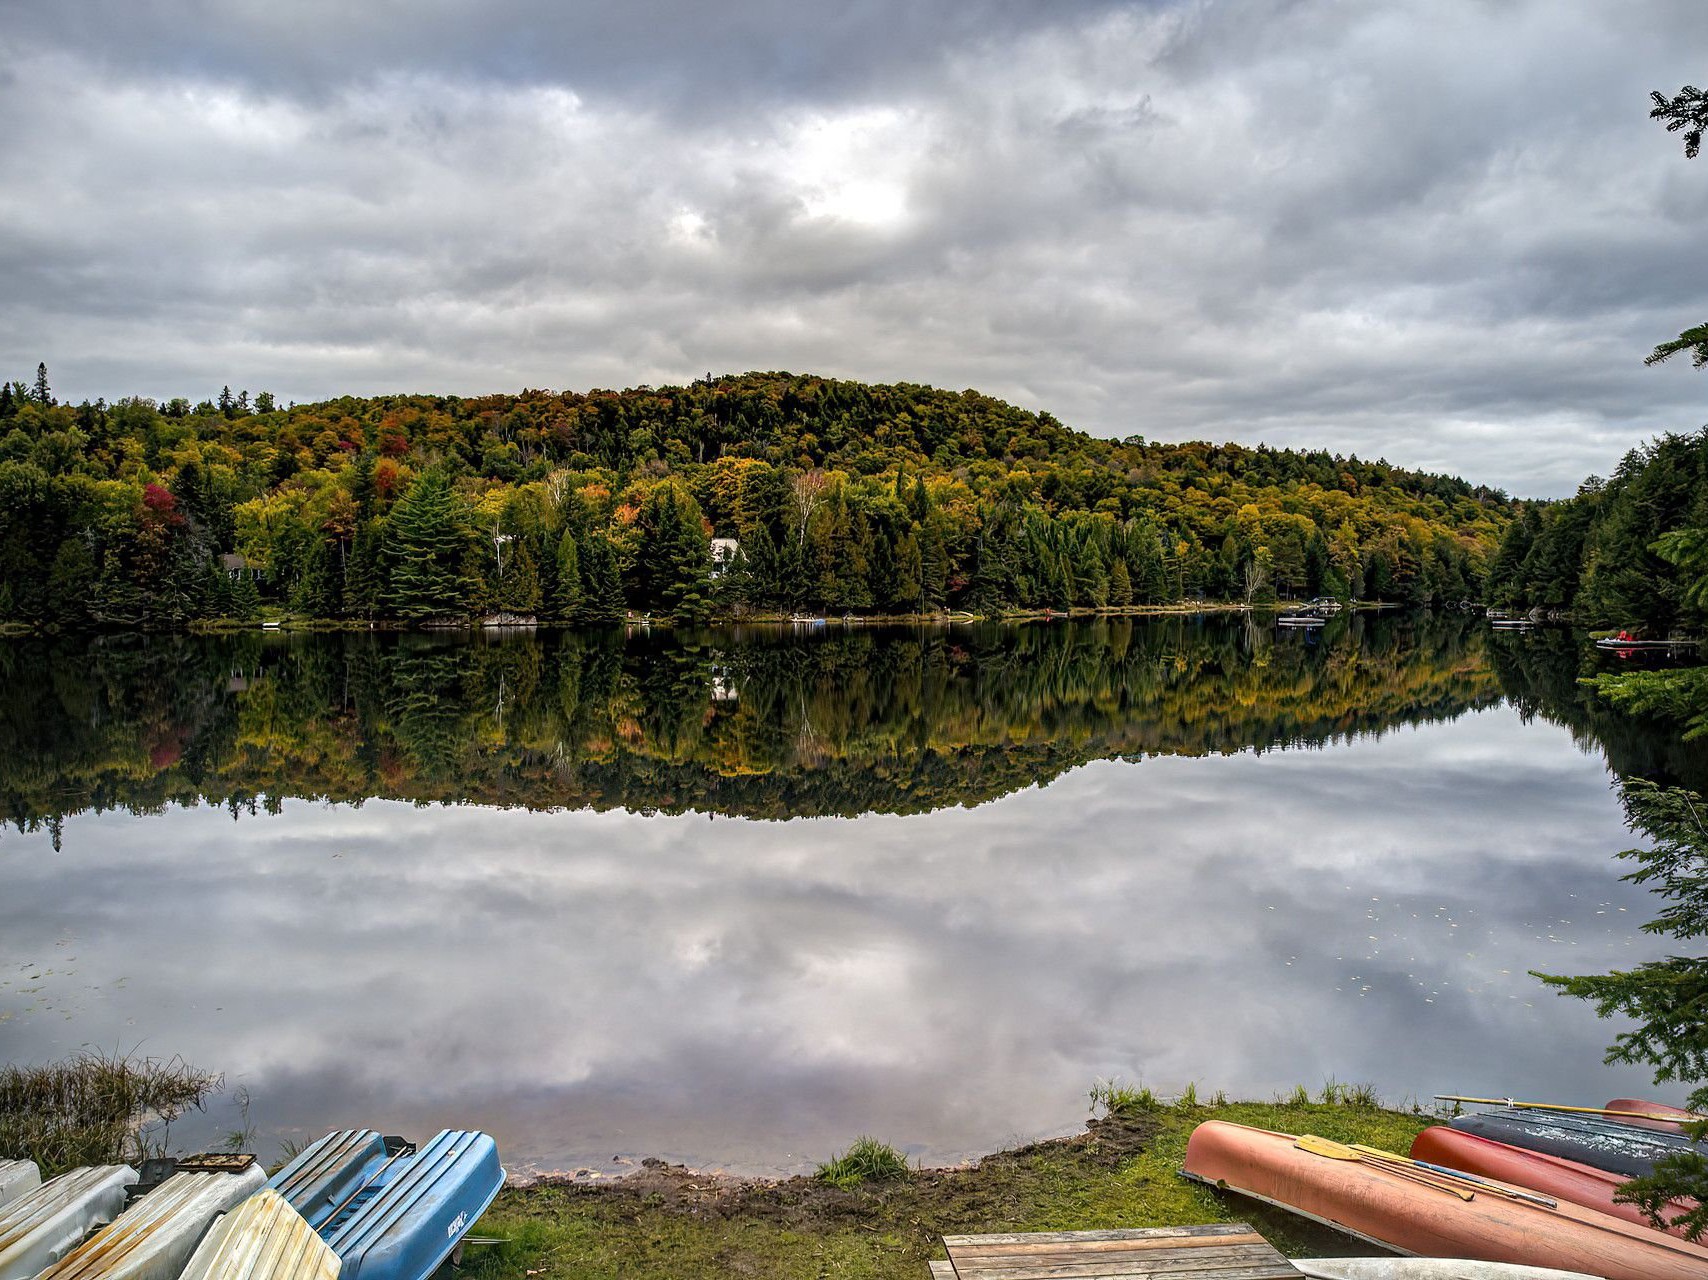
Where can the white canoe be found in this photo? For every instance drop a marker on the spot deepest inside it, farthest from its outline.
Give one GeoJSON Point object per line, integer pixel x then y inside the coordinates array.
{"type": "Point", "coordinates": [1427, 1269]}
{"type": "Point", "coordinates": [263, 1239]}
{"type": "Point", "coordinates": [41, 1226]}
{"type": "Point", "coordinates": [17, 1177]}
{"type": "Point", "coordinates": [154, 1238]}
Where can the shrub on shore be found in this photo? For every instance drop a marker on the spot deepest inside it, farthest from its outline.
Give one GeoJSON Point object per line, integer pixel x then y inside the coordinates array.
{"type": "Point", "coordinates": [867, 1160]}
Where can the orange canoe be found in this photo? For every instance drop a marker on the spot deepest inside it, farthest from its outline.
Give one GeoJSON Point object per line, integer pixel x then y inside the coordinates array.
{"type": "Point", "coordinates": [1552, 1176]}
{"type": "Point", "coordinates": [1391, 1210]}
{"type": "Point", "coordinates": [1651, 1109]}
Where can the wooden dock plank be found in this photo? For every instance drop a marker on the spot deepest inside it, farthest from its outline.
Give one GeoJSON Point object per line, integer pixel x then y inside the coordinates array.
{"type": "Point", "coordinates": [1092, 1264]}
{"type": "Point", "coordinates": [1066, 1253]}
{"type": "Point", "coordinates": [1106, 1246]}
{"type": "Point", "coordinates": [1268, 1271]}
{"type": "Point", "coordinates": [1218, 1251]}
{"type": "Point", "coordinates": [1183, 1235]}
{"type": "Point", "coordinates": [1148, 1267]}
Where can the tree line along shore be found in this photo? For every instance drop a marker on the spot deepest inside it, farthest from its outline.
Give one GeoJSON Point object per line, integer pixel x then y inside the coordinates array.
{"type": "Point", "coordinates": [763, 493]}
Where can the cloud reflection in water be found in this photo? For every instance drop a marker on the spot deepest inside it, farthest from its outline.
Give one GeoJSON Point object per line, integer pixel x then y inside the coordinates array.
{"type": "Point", "coordinates": [754, 994]}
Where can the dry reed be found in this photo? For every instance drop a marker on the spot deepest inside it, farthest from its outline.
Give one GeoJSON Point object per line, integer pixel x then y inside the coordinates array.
{"type": "Point", "coordinates": [95, 1108]}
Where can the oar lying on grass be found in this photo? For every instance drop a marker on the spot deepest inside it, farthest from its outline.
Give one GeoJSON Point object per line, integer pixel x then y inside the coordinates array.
{"type": "Point", "coordinates": [1485, 1184]}
{"type": "Point", "coordinates": [1340, 1151]}
{"type": "Point", "coordinates": [1552, 1106]}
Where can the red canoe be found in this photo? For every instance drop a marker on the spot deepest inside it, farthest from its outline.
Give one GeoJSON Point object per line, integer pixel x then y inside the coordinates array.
{"type": "Point", "coordinates": [1652, 1109]}
{"type": "Point", "coordinates": [1390, 1210]}
{"type": "Point", "coordinates": [1550, 1175]}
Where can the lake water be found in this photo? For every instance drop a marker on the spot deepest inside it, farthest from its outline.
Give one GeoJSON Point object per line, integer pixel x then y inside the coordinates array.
{"type": "Point", "coordinates": [735, 897]}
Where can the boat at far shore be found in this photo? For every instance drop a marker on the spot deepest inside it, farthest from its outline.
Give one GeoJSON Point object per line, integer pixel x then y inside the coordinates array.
{"type": "Point", "coordinates": [1620, 645]}
{"type": "Point", "coordinates": [1371, 1196]}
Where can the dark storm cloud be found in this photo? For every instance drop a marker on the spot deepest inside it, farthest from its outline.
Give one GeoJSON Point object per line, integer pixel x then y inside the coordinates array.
{"type": "Point", "coordinates": [1441, 233]}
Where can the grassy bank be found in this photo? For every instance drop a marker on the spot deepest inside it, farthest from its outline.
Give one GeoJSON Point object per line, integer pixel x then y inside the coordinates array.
{"type": "Point", "coordinates": [668, 1223]}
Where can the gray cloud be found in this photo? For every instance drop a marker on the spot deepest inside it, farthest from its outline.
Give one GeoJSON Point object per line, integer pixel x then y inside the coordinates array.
{"type": "Point", "coordinates": [1444, 234]}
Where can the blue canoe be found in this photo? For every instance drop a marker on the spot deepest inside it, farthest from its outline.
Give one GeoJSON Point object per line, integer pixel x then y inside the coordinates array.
{"type": "Point", "coordinates": [392, 1217]}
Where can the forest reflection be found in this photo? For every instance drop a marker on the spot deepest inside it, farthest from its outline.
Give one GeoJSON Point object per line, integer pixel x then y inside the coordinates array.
{"type": "Point", "coordinates": [763, 722]}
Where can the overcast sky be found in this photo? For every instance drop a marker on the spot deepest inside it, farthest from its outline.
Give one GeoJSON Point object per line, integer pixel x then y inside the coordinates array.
{"type": "Point", "coordinates": [1440, 231]}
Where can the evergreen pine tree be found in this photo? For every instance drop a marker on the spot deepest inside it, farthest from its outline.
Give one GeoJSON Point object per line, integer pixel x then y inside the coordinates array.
{"type": "Point", "coordinates": [1120, 585]}
{"type": "Point", "coordinates": [904, 590]}
{"type": "Point", "coordinates": [362, 487]}
{"type": "Point", "coordinates": [1663, 999]}
{"type": "Point", "coordinates": [245, 598]}
{"type": "Point", "coordinates": [318, 592]}
{"type": "Point", "coordinates": [933, 565]}
{"type": "Point", "coordinates": [673, 566]}
{"type": "Point", "coordinates": [42, 395]}
{"type": "Point", "coordinates": [425, 553]}
{"type": "Point", "coordinates": [519, 588]}
{"type": "Point", "coordinates": [71, 583]}
{"type": "Point", "coordinates": [602, 581]}
{"type": "Point", "coordinates": [565, 596]}
{"type": "Point", "coordinates": [363, 574]}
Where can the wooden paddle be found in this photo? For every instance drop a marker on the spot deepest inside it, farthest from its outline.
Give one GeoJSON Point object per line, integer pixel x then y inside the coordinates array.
{"type": "Point", "coordinates": [1493, 1188]}
{"type": "Point", "coordinates": [1686, 1118]}
{"type": "Point", "coordinates": [1319, 1146]}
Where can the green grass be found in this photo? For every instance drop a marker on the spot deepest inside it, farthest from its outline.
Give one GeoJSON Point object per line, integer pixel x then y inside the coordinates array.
{"type": "Point", "coordinates": [1122, 1172]}
{"type": "Point", "coordinates": [95, 1109]}
{"type": "Point", "coordinates": [866, 1160]}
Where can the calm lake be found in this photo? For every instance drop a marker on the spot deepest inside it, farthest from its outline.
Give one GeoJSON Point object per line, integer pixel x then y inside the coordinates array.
{"type": "Point", "coordinates": [734, 897]}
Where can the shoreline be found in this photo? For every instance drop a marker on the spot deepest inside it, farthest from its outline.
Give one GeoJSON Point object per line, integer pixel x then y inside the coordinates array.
{"type": "Point", "coordinates": [222, 626]}
{"type": "Point", "coordinates": [1120, 1170]}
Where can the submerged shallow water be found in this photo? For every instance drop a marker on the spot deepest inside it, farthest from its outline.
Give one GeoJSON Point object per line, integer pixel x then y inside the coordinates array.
{"type": "Point", "coordinates": [734, 897]}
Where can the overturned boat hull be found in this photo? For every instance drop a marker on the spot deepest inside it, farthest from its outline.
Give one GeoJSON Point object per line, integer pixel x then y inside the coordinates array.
{"type": "Point", "coordinates": [1618, 1148]}
{"type": "Point", "coordinates": [396, 1217]}
{"type": "Point", "coordinates": [154, 1238]}
{"type": "Point", "coordinates": [262, 1239]}
{"type": "Point", "coordinates": [40, 1227]}
{"type": "Point", "coordinates": [18, 1177]}
{"type": "Point", "coordinates": [1650, 1113]}
{"type": "Point", "coordinates": [1564, 1179]}
{"type": "Point", "coordinates": [1390, 1209]}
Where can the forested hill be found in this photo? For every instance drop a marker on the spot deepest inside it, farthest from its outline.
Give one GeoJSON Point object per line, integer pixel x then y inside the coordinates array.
{"type": "Point", "coordinates": [842, 496]}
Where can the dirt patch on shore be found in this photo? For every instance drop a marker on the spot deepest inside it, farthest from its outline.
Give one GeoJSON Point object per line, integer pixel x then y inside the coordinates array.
{"type": "Point", "coordinates": [928, 1204]}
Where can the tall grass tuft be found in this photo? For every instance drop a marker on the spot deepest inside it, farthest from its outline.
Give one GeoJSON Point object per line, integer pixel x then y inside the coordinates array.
{"type": "Point", "coordinates": [866, 1160]}
{"type": "Point", "coordinates": [1117, 1099]}
{"type": "Point", "coordinates": [1359, 1095]}
{"type": "Point", "coordinates": [95, 1108]}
